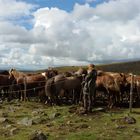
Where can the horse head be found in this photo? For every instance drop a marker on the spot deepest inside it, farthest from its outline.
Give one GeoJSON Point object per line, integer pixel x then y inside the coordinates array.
{"type": "Point", "coordinates": [11, 72]}
{"type": "Point", "coordinates": [81, 71]}
{"type": "Point", "coordinates": [49, 73]}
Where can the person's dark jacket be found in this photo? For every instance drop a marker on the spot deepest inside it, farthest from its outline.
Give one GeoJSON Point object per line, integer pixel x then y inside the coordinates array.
{"type": "Point", "coordinates": [90, 81]}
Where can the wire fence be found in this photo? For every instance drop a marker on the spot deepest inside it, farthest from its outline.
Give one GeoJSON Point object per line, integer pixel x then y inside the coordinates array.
{"type": "Point", "coordinates": [30, 89]}
{"type": "Point", "coordinates": [2, 86]}
{"type": "Point", "coordinates": [22, 90]}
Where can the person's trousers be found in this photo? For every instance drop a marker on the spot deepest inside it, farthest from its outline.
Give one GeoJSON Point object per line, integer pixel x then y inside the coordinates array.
{"type": "Point", "coordinates": [88, 99]}
{"type": "Point", "coordinates": [88, 102]}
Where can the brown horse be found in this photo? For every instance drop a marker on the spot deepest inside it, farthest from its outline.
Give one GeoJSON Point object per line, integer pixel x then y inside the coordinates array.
{"type": "Point", "coordinates": [81, 71]}
{"type": "Point", "coordinates": [59, 83]}
{"type": "Point", "coordinates": [112, 84]}
{"type": "Point", "coordinates": [136, 86]}
{"type": "Point", "coordinates": [31, 81]}
{"type": "Point", "coordinates": [27, 81]}
{"type": "Point", "coordinates": [50, 73]}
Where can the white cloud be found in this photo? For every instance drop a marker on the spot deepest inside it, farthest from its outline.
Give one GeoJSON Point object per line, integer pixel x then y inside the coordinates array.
{"type": "Point", "coordinates": [122, 10]}
{"type": "Point", "coordinates": [110, 31]}
{"type": "Point", "coordinates": [13, 9]}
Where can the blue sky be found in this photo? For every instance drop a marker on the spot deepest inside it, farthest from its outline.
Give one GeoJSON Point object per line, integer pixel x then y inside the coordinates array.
{"type": "Point", "coordinates": [36, 34]}
{"type": "Point", "coordinates": [63, 4]}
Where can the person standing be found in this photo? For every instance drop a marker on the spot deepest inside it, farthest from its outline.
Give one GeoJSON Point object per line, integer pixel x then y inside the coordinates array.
{"type": "Point", "coordinates": [89, 87]}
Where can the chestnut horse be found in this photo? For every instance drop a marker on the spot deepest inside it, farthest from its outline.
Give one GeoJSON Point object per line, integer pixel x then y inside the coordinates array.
{"type": "Point", "coordinates": [27, 81]}
{"type": "Point", "coordinates": [32, 81]}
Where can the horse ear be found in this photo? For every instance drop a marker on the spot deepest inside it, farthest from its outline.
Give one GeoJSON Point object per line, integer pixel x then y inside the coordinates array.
{"type": "Point", "coordinates": [121, 74]}
{"type": "Point", "coordinates": [12, 69]}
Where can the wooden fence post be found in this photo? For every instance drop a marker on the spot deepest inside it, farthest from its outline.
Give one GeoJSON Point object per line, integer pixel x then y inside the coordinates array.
{"type": "Point", "coordinates": [25, 88]}
{"type": "Point", "coordinates": [131, 93]}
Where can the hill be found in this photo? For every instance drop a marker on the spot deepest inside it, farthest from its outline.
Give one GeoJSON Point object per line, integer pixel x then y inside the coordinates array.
{"type": "Point", "coordinates": [126, 67]}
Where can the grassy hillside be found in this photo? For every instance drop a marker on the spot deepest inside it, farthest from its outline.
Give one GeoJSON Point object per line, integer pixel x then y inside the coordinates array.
{"type": "Point", "coordinates": [127, 67]}
{"type": "Point", "coordinates": [60, 123]}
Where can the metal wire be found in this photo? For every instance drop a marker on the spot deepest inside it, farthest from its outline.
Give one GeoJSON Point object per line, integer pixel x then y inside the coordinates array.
{"type": "Point", "coordinates": [16, 91]}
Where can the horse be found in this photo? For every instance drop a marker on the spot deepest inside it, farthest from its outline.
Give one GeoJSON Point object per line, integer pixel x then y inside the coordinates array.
{"type": "Point", "coordinates": [55, 85]}
{"type": "Point", "coordinates": [5, 84]}
{"type": "Point", "coordinates": [112, 84]}
{"type": "Point", "coordinates": [4, 72]}
{"type": "Point", "coordinates": [27, 81]}
{"type": "Point", "coordinates": [31, 81]}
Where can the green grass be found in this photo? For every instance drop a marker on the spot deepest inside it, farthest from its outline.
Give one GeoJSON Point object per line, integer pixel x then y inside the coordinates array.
{"type": "Point", "coordinates": [69, 126]}
{"type": "Point", "coordinates": [82, 136]}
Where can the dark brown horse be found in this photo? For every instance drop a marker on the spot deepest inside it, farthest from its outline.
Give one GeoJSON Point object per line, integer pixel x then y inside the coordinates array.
{"type": "Point", "coordinates": [59, 83]}
{"type": "Point", "coordinates": [4, 72]}
{"type": "Point", "coordinates": [5, 84]}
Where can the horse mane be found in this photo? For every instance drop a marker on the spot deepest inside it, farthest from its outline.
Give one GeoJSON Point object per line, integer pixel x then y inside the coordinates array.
{"type": "Point", "coordinates": [16, 73]}
{"type": "Point", "coordinates": [100, 73]}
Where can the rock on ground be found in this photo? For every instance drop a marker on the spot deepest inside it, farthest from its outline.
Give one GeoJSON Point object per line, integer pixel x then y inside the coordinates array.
{"type": "Point", "coordinates": [38, 135]}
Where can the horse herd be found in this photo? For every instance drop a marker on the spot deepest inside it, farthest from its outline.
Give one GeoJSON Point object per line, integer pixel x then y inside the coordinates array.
{"type": "Point", "coordinates": [53, 87]}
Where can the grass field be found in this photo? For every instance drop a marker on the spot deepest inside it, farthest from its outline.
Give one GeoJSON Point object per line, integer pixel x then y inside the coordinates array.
{"type": "Point", "coordinates": [62, 123]}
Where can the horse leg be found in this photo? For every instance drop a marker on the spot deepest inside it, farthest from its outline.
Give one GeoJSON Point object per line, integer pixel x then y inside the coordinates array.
{"type": "Point", "coordinates": [73, 96]}
{"type": "Point", "coordinates": [57, 100]}
{"type": "Point", "coordinates": [110, 101]}
{"type": "Point", "coordinates": [109, 98]}
{"type": "Point", "coordinates": [21, 96]}
{"type": "Point", "coordinates": [78, 94]}
{"type": "Point", "coordinates": [81, 95]}
{"type": "Point", "coordinates": [25, 89]}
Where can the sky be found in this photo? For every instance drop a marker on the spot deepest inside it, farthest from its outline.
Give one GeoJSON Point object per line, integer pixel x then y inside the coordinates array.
{"type": "Point", "coordinates": [37, 34]}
